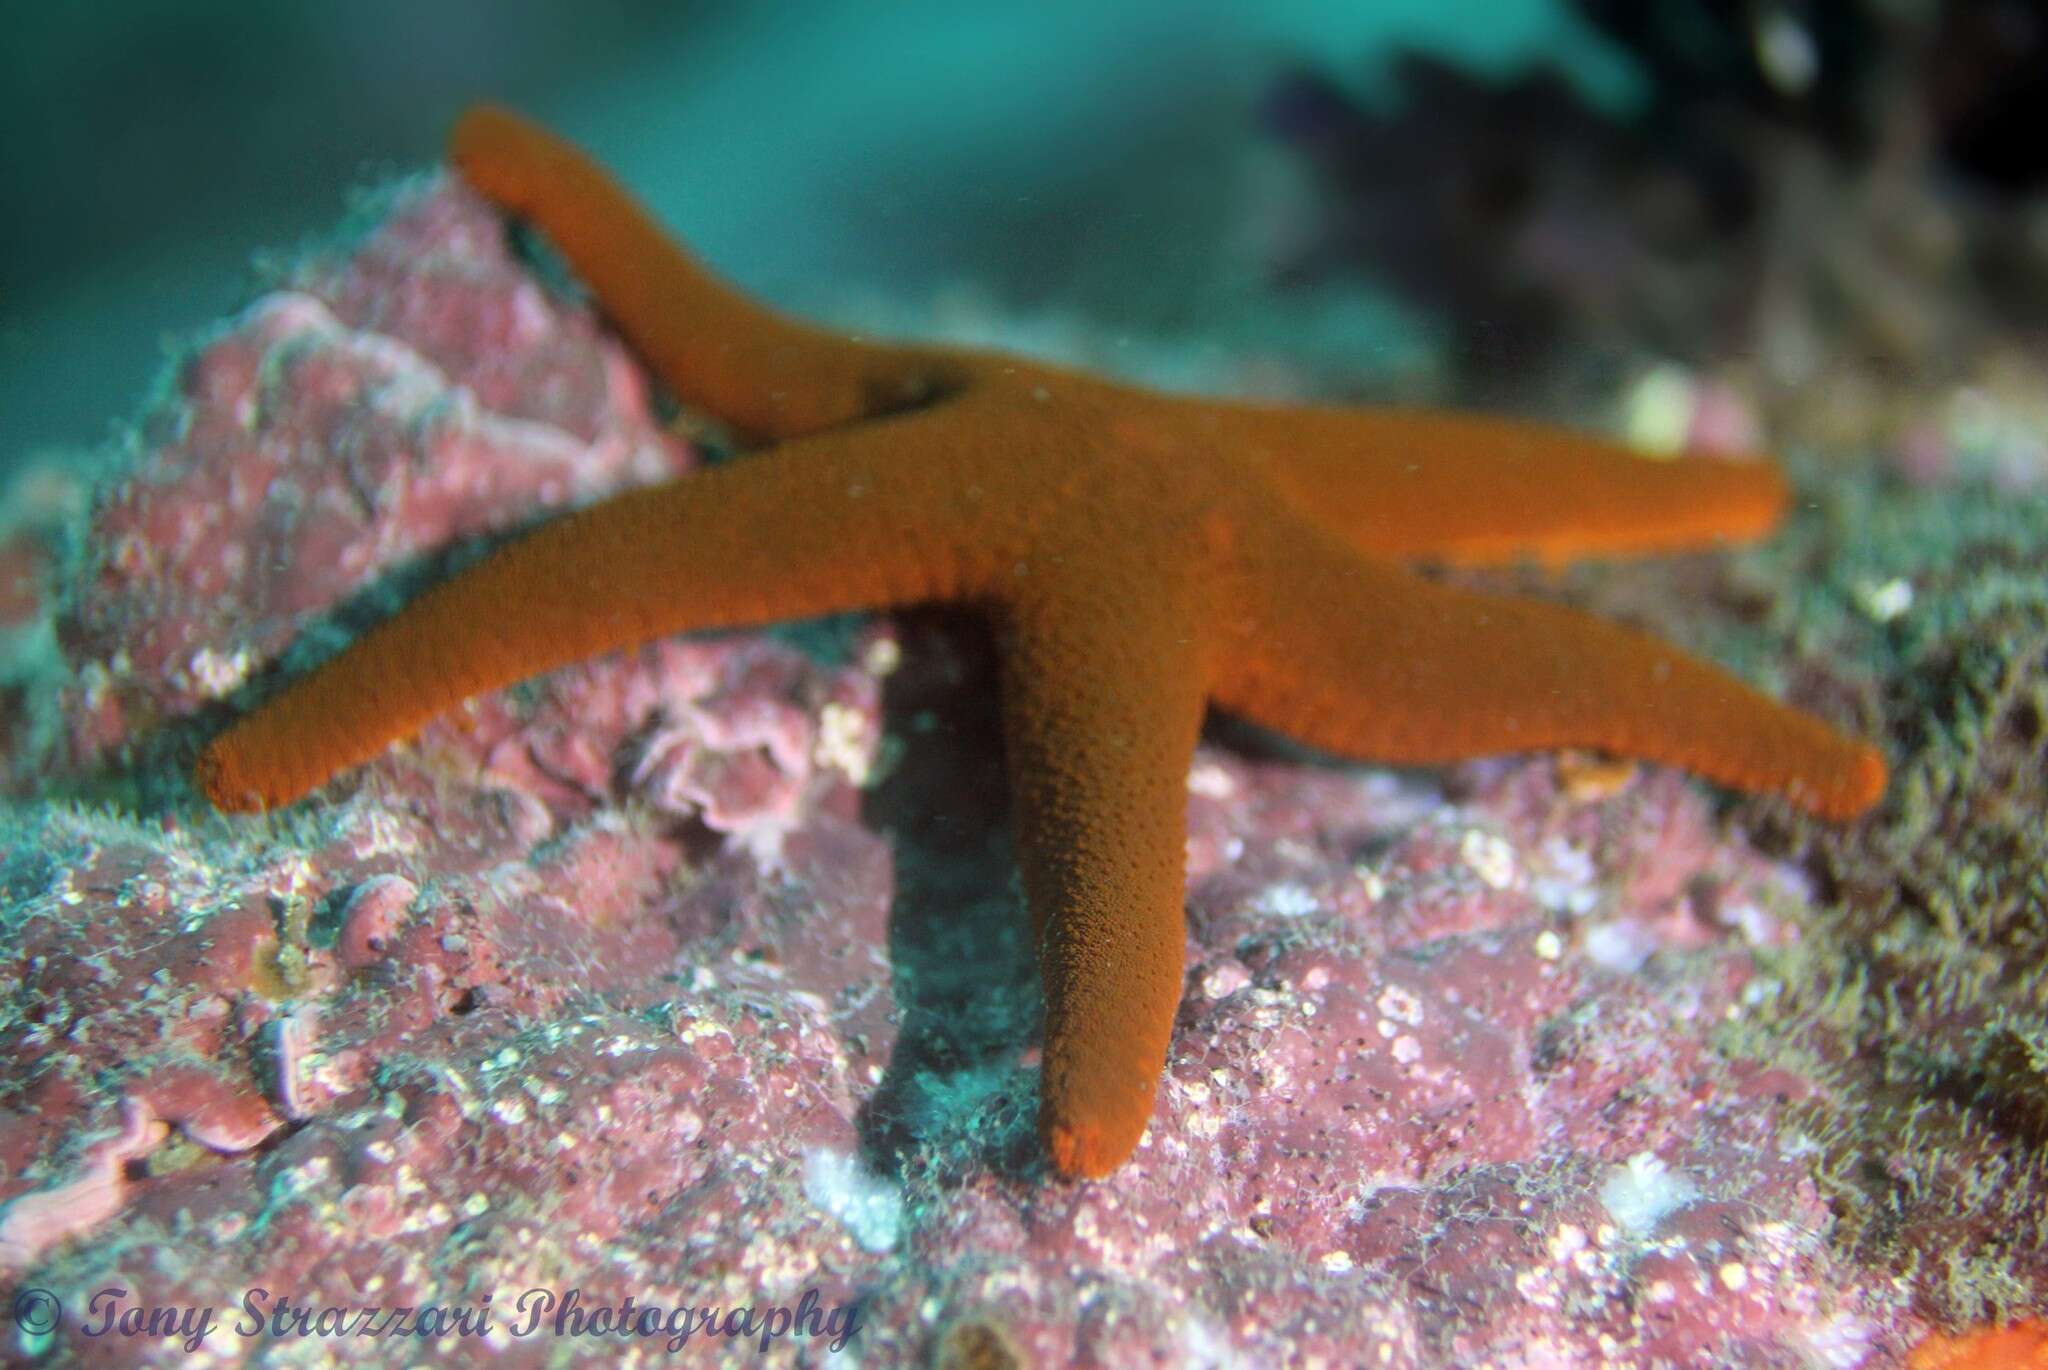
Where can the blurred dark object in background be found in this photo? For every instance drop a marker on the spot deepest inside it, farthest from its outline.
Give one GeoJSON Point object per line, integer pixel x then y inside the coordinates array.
{"type": "Point", "coordinates": [1798, 183]}
{"type": "Point", "coordinates": [1987, 91]}
{"type": "Point", "coordinates": [1978, 67]}
{"type": "Point", "coordinates": [1779, 63]}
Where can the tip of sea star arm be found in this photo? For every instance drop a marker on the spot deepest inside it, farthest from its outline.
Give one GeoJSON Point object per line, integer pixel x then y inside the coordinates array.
{"type": "Point", "coordinates": [1088, 1150]}
{"type": "Point", "coordinates": [482, 120]}
{"type": "Point", "coordinates": [1101, 710]}
{"type": "Point", "coordinates": [224, 777]}
{"type": "Point", "coordinates": [1612, 503]}
{"type": "Point", "coordinates": [1780, 751]}
{"type": "Point", "coordinates": [1476, 489]}
{"type": "Point", "coordinates": [488, 142]}
{"type": "Point", "coordinates": [1365, 660]}
{"type": "Point", "coordinates": [1853, 791]}
{"type": "Point", "coordinates": [1097, 1096]}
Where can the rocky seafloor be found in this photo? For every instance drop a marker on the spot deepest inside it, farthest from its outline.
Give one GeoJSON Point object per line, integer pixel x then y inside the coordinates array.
{"type": "Point", "coordinates": [696, 974]}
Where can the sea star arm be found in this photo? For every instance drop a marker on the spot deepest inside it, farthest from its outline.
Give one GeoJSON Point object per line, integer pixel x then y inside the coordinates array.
{"type": "Point", "coordinates": [1102, 700]}
{"type": "Point", "coordinates": [1364, 659]}
{"type": "Point", "coordinates": [1472, 489]}
{"type": "Point", "coordinates": [858, 520]}
{"type": "Point", "coordinates": [766, 375]}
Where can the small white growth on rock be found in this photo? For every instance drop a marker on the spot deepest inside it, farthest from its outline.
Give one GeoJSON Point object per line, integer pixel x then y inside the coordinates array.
{"type": "Point", "coordinates": [1758, 927]}
{"type": "Point", "coordinates": [1566, 886]}
{"type": "Point", "coordinates": [1568, 1241]}
{"type": "Point", "coordinates": [883, 656]}
{"type": "Point", "coordinates": [1887, 601]}
{"type": "Point", "coordinates": [1286, 901]}
{"type": "Point", "coordinates": [1204, 1343]}
{"type": "Point", "coordinates": [1211, 780]}
{"type": "Point", "coordinates": [219, 673]}
{"type": "Point", "coordinates": [1841, 1341]}
{"type": "Point", "coordinates": [1799, 1145]}
{"type": "Point", "coordinates": [844, 743]}
{"type": "Point", "coordinates": [1657, 412]}
{"type": "Point", "coordinates": [1537, 1287]}
{"type": "Point", "coordinates": [1401, 1005]}
{"type": "Point", "coordinates": [1620, 946]}
{"type": "Point", "coordinates": [1491, 858]}
{"type": "Point", "coordinates": [1226, 979]}
{"type": "Point", "coordinates": [870, 1207]}
{"type": "Point", "coordinates": [1642, 1192]}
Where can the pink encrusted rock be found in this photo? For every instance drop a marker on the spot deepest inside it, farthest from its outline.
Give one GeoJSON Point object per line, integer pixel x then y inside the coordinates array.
{"type": "Point", "coordinates": [611, 981]}
{"type": "Point", "coordinates": [384, 404]}
{"type": "Point", "coordinates": [1412, 1118]}
{"type": "Point", "coordinates": [738, 733]}
{"type": "Point", "coordinates": [219, 1110]}
{"type": "Point", "coordinates": [36, 1221]}
{"type": "Point", "coordinates": [371, 919]}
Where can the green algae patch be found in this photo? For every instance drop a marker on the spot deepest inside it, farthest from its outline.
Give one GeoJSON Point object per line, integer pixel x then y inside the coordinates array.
{"type": "Point", "coordinates": [1919, 993]}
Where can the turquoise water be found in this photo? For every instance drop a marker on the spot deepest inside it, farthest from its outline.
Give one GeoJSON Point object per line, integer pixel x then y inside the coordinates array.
{"type": "Point", "coordinates": [833, 155]}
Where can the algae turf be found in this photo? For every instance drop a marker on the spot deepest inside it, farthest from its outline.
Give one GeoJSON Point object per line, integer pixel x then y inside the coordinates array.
{"type": "Point", "coordinates": [1921, 989]}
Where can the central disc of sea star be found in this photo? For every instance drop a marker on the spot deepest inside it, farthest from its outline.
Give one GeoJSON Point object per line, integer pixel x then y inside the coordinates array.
{"type": "Point", "coordinates": [1141, 555]}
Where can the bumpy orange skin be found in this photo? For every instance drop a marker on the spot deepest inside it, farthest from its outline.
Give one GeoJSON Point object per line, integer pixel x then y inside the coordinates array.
{"type": "Point", "coordinates": [2022, 1346]}
{"type": "Point", "coordinates": [1142, 556]}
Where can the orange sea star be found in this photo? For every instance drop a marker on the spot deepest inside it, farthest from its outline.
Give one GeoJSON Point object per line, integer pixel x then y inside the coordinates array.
{"type": "Point", "coordinates": [1140, 555]}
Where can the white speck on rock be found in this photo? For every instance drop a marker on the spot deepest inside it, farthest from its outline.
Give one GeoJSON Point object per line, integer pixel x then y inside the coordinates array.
{"type": "Point", "coordinates": [1209, 779]}
{"type": "Point", "coordinates": [1491, 858]}
{"type": "Point", "coordinates": [845, 743]}
{"type": "Point", "coordinates": [1567, 1241]}
{"type": "Point", "coordinates": [1287, 901]}
{"type": "Point", "coordinates": [1640, 1193]}
{"type": "Point", "coordinates": [1886, 602]}
{"type": "Point", "coordinates": [219, 673]}
{"type": "Point", "coordinates": [1841, 1341]}
{"type": "Point", "coordinates": [1566, 886]}
{"type": "Point", "coordinates": [1401, 1005]}
{"type": "Point", "coordinates": [1620, 946]}
{"type": "Point", "coordinates": [870, 1207]}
